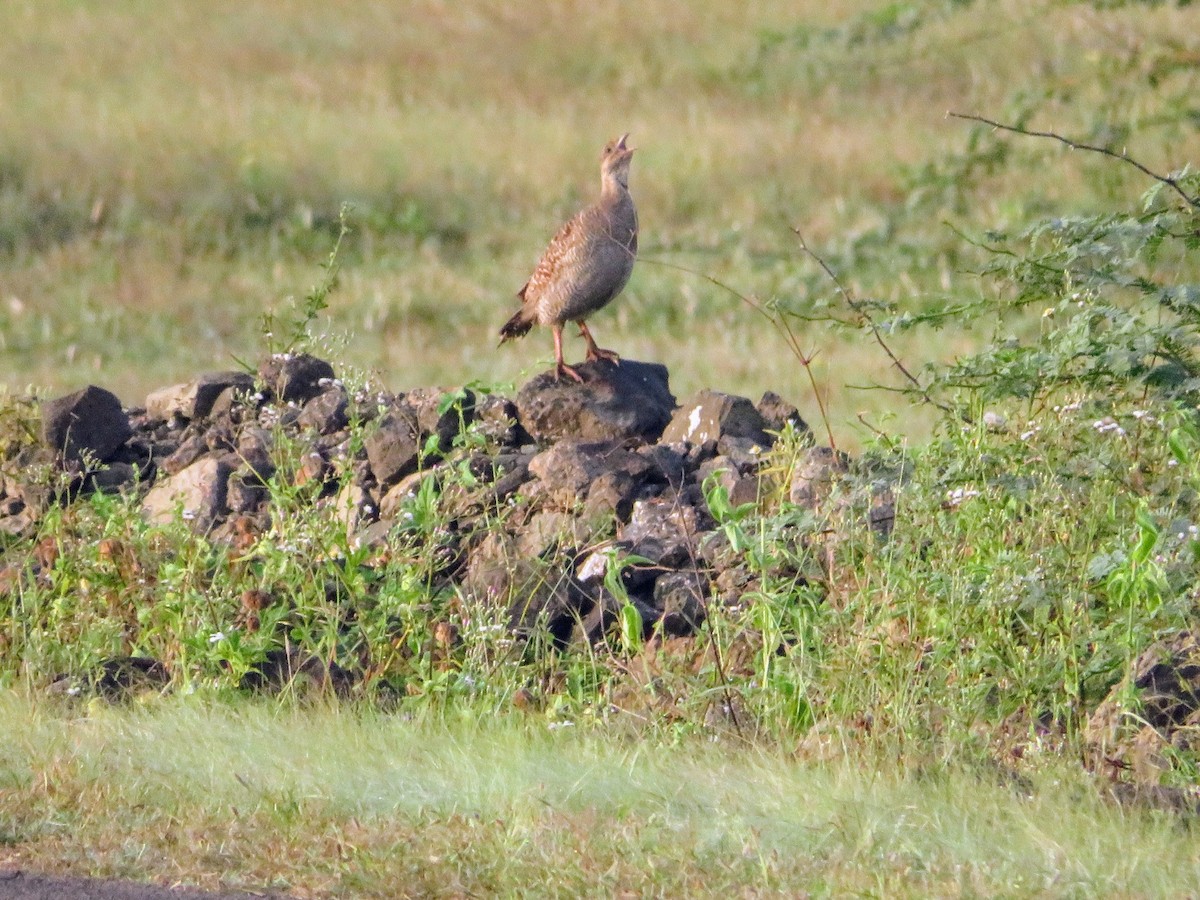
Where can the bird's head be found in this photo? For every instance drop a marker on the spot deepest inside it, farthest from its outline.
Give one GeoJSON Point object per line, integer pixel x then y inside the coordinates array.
{"type": "Point", "coordinates": [614, 161]}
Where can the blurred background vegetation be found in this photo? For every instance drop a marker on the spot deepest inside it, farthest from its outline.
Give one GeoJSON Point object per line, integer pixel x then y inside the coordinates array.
{"type": "Point", "coordinates": [171, 172]}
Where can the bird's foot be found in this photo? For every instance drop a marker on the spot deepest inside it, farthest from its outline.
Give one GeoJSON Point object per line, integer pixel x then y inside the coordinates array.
{"type": "Point", "coordinates": [594, 354]}
{"type": "Point", "coordinates": [562, 370]}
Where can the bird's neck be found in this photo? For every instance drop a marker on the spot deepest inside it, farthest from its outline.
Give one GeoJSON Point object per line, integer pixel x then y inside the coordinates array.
{"type": "Point", "coordinates": [613, 193]}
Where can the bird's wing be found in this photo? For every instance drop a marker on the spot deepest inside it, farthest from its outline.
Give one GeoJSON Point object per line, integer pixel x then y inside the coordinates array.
{"type": "Point", "coordinates": [550, 265]}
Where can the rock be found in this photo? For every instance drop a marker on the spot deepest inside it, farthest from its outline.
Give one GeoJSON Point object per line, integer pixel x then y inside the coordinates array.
{"type": "Point", "coordinates": [189, 450]}
{"type": "Point", "coordinates": [496, 419]}
{"type": "Point", "coordinates": [741, 489]}
{"type": "Point", "coordinates": [631, 401]}
{"type": "Point", "coordinates": [568, 469]}
{"type": "Point", "coordinates": [394, 447]}
{"type": "Point", "coordinates": [778, 413]}
{"type": "Point", "coordinates": [112, 477]}
{"type": "Point", "coordinates": [326, 413]}
{"type": "Point", "coordinates": [816, 475]}
{"type": "Point", "coordinates": [295, 378]}
{"type": "Point", "coordinates": [199, 491]}
{"type": "Point", "coordinates": [354, 507]}
{"type": "Point", "coordinates": [1165, 678]}
{"type": "Point", "coordinates": [710, 415]}
{"type": "Point", "coordinates": [681, 598]}
{"type": "Point", "coordinates": [446, 422]}
{"type": "Point", "coordinates": [533, 594]}
{"type": "Point", "coordinates": [195, 400]}
{"type": "Point", "coordinates": [88, 423]}
{"type": "Point", "coordinates": [662, 531]}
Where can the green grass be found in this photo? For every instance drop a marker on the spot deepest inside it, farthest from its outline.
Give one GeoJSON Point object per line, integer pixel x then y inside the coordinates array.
{"type": "Point", "coordinates": [168, 175]}
{"type": "Point", "coordinates": [891, 718]}
{"type": "Point", "coordinates": [332, 802]}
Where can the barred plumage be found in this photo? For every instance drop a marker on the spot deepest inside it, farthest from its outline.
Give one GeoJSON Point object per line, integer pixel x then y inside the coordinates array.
{"type": "Point", "coordinates": [586, 264]}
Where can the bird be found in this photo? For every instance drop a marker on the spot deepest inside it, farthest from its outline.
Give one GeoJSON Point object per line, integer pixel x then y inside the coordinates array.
{"type": "Point", "coordinates": [586, 264]}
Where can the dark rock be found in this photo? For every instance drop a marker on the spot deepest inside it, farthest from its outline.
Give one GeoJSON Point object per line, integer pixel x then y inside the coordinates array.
{"type": "Point", "coordinates": [293, 669]}
{"type": "Point", "coordinates": [534, 594]}
{"type": "Point", "coordinates": [112, 477]}
{"type": "Point", "coordinates": [326, 412]}
{"type": "Point", "coordinates": [196, 399]}
{"type": "Point", "coordinates": [667, 461]}
{"type": "Point", "coordinates": [295, 378]}
{"type": "Point", "coordinates": [741, 489]}
{"type": "Point", "coordinates": [199, 491]}
{"type": "Point", "coordinates": [394, 447]}
{"type": "Point", "coordinates": [189, 450]}
{"type": "Point", "coordinates": [778, 413]}
{"type": "Point", "coordinates": [631, 401]}
{"type": "Point", "coordinates": [663, 531]}
{"type": "Point", "coordinates": [496, 418]}
{"type": "Point", "coordinates": [614, 493]}
{"type": "Point", "coordinates": [442, 413]}
{"type": "Point", "coordinates": [816, 475]}
{"type": "Point", "coordinates": [681, 599]}
{"type": "Point", "coordinates": [88, 423]}
{"type": "Point", "coordinates": [710, 415]}
{"type": "Point", "coordinates": [116, 679]}
{"type": "Point", "coordinates": [568, 469]}
{"type": "Point", "coordinates": [1165, 720]}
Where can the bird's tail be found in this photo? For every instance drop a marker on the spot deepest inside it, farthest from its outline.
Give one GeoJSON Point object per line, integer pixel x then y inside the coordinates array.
{"type": "Point", "coordinates": [518, 325]}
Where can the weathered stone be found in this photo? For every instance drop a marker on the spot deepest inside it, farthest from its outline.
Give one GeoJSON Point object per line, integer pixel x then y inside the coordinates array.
{"type": "Point", "coordinates": [548, 532]}
{"type": "Point", "coordinates": [631, 401]}
{"type": "Point", "coordinates": [326, 412]}
{"type": "Point", "coordinates": [1165, 679]}
{"type": "Point", "coordinates": [667, 461]}
{"type": "Point", "coordinates": [295, 378]}
{"type": "Point", "coordinates": [614, 493]}
{"type": "Point", "coordinates": [496, 418]}
{"type": "Point", "coordinates": [741, 489]}
{"type": "Point", "coordinates": [112, 477]}
{"type": "Point", "coordinates": [778, 413]}
{"type": "Point", "coordinates": [195, 399]}
{"type": "Point", "coordinates": [533, 593]}
{"type": "Point", "coordinates": [746, 454]}
{"type": "Point", "coordinates": [199, 492]}
{"type": "Point", "coordinates": [816, 475]}
{"type": "Point", "coordinates": [187, 452]}
{"type": "Point", "coordinates": [447, 422]}
{"type": "Point", "coordinates": [86, 424]}
{"type": "Point", "coordinates": [391, 504]}
{"type": "Point", "coordinates": [394, 447]}
{"type": "Point", "coordinates": [354, 507]}
{"type": "Point", "coordinates": [710, 415]}
{"type": "Point", "coordinates": [568, 469]}
{"type": "Point", "coordinates": [681, 599]}
{"type": "Point", "coordinates": [662, 531]}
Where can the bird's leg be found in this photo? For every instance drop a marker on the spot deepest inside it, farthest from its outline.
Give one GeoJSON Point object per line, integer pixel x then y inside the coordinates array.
{"type": "Point", "coordinates": [560, 367]}
{"type": "Point", "coordinates": [593, 352]}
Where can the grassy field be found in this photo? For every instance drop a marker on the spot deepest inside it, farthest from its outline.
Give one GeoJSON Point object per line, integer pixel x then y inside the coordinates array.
{"type": "Point", "coordinates": [900, 717]}
{"type": "Point", "coordinates": [168, 174]}
{"type": "Point", "coordinates": [262, 796]}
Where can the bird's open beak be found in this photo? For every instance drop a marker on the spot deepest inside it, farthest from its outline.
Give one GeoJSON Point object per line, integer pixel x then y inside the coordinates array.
{"type": "Point", "coordinates": [621, 143]}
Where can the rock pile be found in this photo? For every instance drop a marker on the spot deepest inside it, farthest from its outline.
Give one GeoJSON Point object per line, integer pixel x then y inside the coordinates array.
{"type": "Point", "coordinates": [569, 485]}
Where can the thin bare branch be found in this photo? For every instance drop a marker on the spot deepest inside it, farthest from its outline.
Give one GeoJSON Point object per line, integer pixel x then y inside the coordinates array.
{"type": "Point", "coordinates": [862, 312]}
{"type": "Point", "coordinates": [1078, 145]}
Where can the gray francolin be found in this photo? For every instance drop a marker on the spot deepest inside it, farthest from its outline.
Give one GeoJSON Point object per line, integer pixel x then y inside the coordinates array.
{"type": "Point", "coordinates": [586, 264]}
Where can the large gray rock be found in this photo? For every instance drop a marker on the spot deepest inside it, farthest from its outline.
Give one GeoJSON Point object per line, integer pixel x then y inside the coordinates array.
{"type": "Point", "coordinates": [88, 423]}
{"type": "Point", "coordinates": [394, 447]}
{"type": "Point", "coordinates": [198, 493]}
{"type": "Point", "coordinates": [816, 475]}
{"type": "Point", "coordinates": [615, 403]}
{"type": "Point", "coordinates": [569, 470]}
{"type": "Point", "coordinates": [295, 377]}
{"type": "Point", "coordinates": [195, 399]}
{"type": "Point", "coordinates": [663, 531]}
{"type": "Point", "coordinates": [711, 415]}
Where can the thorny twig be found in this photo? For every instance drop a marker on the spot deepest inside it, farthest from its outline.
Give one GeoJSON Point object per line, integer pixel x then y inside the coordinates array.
{"type": "Point", "coordinates": [1170, 182]}
{"type": "Point", "coordinates": [864, 315]}
{"type": "Point", "coordinates": [779, 322]}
